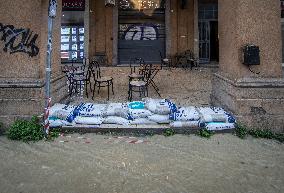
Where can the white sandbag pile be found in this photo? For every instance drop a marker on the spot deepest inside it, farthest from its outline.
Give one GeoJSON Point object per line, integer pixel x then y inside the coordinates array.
{"type": "Point", "coordinates": [151, 111]}
{"type": "Point", "coordinates": [146, 112]}
{"type": "Point", "coordinates": [185, 117]}
{"type": "Point", "coordinates": [215, 118]}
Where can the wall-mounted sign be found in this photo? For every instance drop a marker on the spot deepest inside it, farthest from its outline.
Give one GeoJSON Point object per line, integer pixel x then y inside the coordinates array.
{"type": "Point", "coordinates": [73, 5]}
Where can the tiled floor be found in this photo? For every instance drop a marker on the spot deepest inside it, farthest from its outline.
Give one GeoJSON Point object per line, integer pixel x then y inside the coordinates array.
{"type": "Point", "coordinates": [184, 87]}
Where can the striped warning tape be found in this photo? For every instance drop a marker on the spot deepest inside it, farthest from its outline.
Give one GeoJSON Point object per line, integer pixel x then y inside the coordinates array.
{"type": "Point", "coordinates": [131, 140]}
{"type": "Point", "coordinates": [46, 115]}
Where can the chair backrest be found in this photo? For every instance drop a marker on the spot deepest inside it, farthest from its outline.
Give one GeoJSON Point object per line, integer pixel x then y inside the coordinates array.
{"type": "Point", "coordinates": [95, 69]}
{"type": "Point", "coordinates": [147, 72]}
{"type": "Point", "coordinates": [134, 62]}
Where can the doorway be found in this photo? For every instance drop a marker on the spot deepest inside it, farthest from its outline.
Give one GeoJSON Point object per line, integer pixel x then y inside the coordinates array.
{"type": "Point", "coordinates": [141, 30]}
{"type": "Point", "coordinates": [208, 32]}
{"type": "Point", "coordinates": [214, 41]}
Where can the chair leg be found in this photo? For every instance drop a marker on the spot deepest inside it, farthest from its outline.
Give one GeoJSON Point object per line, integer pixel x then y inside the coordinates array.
{"type": "Point", "coordinates": [112, 87]}
{"type": "Point", "coordinates": [86, 88]}
{"type": "Point", "coordinates": [99, 88]}
{"type": "Point", "coordinates": [108, 90]}
{"type": "Point", "coordinates": [90, 85]}
{"type": "Point", "coordinates": [130, 93]}
{"type": "Point", "coordinates": [94, 91]}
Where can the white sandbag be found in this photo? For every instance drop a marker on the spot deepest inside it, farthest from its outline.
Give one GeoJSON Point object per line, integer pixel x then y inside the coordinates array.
{"type": "Point", "coordinates": [142, 121]}
{"type": "Point", "coordinates": [90, 109]}
{"type": "Point", "coordinates": [138, 113]}
{"type": "Point", "coordinates": [160, 106]}
{"type": "Point", "coordinates": [230, 118]}
{"type": "Point", "coordinates": [61, 111]}
{"type": "Point", "coordinates": [214, 114]}
{"type": "Point", "coordinates": [89, 120]}
{"type": "Point", "coordinates": [58, 123]}
{"type": "Point", "coordinates": [184, 124]}
{"type": "Point", "coordinates": [162, 119]}
{"type": "Point", "coordinates": [185, 114]}
{"type": "Point", "coordinates": [117, 109]}
{"type": "Point", "coordinates": [115, 120]}
{"type": "Point", "coordinates": [219, 126]}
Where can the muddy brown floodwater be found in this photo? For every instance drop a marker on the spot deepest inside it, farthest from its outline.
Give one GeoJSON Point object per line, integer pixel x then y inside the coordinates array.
{"type": "Point", "coordinates": [93, 163]}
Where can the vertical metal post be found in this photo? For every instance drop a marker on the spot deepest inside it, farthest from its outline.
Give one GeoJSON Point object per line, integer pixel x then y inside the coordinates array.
{"type": "Point", "coordinates": [51, 15]}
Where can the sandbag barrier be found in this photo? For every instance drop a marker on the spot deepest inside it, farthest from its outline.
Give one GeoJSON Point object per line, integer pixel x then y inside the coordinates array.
{"type": "Point", "coordinates": [146, 112]}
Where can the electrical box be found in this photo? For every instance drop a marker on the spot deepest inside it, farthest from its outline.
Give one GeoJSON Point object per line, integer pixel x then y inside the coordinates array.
{"type": "Point", "coordinates": [251, 55]}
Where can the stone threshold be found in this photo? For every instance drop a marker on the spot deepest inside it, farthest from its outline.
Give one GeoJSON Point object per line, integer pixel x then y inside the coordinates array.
{"type": "Point", "coordinates": [132, 129]}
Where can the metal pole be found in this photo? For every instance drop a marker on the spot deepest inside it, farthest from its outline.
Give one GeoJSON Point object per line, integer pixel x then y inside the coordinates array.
{"type": "Point", "coordinates": [51, 15]}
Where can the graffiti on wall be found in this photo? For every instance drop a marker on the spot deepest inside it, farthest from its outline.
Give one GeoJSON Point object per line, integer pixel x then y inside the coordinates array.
{"type": "Point", "coordinates": [141, 32]}
{"type": "Point", "coordinates": [18, 40]}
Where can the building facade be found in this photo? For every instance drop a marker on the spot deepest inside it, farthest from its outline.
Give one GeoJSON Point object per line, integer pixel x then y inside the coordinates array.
{"type": "Point", "coordinates": [213, 30]}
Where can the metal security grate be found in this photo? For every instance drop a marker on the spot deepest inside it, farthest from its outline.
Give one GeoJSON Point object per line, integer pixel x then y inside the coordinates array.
{"type": "Point", "coordinates": [141, 30]}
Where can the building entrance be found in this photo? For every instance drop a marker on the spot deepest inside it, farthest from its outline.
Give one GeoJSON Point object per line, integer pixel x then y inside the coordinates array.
{"type": "Point", "coordinates": [141, 30]}
{"type": "Point", "coordinates": [208, 32]}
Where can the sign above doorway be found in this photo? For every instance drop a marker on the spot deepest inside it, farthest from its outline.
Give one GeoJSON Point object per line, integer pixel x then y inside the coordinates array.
{"type": "Point", "coordinates": [73, 5]}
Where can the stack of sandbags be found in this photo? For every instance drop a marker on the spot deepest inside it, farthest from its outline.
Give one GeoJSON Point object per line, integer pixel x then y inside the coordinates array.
{"type": "Point", "coordinates": [89, 113]}
{"type": "Point", "coordinates": [185, 117]}
{"type": "Point", "coordinates": [59, 114]}
{"type": "Point", "coordinates": [160, 109]}
{"type": "Point", "coordinates": [215, 118]}
{"type": "Point", "coordinates": [138, 114]}
{"type": "Point", "coordinates": [116, 113]}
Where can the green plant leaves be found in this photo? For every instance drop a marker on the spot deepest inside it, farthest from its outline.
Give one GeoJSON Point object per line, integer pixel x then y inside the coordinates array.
{"type": "Point", "coordinates": [169, 132]}
{"type": "Point", "coordinates": [205, 133]}
{"type": "Point", "coordinates": [241, 131]}
{"type": "Point", "coordinates": [26, 130]}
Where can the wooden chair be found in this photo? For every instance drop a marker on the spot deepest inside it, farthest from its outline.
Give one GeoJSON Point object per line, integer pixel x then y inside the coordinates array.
{"type": "Point", "coordinates": [101, 81]}
{"type": "Point", "coordinates": [141, 86]}
{"type": "Point", "coordinates": [82, 77]}
{"type": "Point", "coordinates": [165, 61]}
{"type": "Point", "coordinates": [133, 64]}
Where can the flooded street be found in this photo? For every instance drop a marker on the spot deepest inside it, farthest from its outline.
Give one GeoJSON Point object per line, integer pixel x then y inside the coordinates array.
{"type": "Point", "coordinates": [105, 164]}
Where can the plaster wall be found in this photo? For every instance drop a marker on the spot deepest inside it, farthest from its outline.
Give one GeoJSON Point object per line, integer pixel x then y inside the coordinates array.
{"type": "Point", "coordinates": [250, 22]}
{"type": "Point", "coordinates": [22, 78]}
{"type": "Point", "coordinates": [256, 99]}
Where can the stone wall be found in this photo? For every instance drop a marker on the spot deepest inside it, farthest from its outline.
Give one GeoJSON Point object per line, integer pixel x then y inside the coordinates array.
{"type": "Point", "coordinates": [22, 77]}
{"type": "Point", "coordinates": [257, 99]}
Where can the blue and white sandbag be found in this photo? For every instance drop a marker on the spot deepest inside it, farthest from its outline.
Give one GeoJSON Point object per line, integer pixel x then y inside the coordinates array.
{"type": "Point", "coordinates": [117, 109]}
{"type": "Point", "coordinates": [61, 111]}
{"type": "Point", "coordinates": [160, 106]}
{"type": "Point", "coordinates": [192, 124]}
{"type": "Point", "coordinates": [215, 126]}
{"type": "Point", "coordinates": [161, 119]}
{"type": "Point", "coordinates": [97, 120]}
{"type": "Point", "coordinates": [58, 123]}
{"type": "Point", "coordinates": [138, 113]}
{"type": "Point", "coordinates": [90, 109]}
{"type": "Point", "coordinates": [215, 114]}
{"type": "Point", "coordinates": [115, 120]}
{"type": "Point", "coordinates": [185, 114]}
{"type": "Point", "coordinates": [142, 121]}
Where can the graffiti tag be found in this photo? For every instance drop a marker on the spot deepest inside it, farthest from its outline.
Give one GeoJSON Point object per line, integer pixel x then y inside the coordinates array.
{"type": "Point", "coordinates": [18, 40]}
{"type": "Point", "coordinates": [141, 32]}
